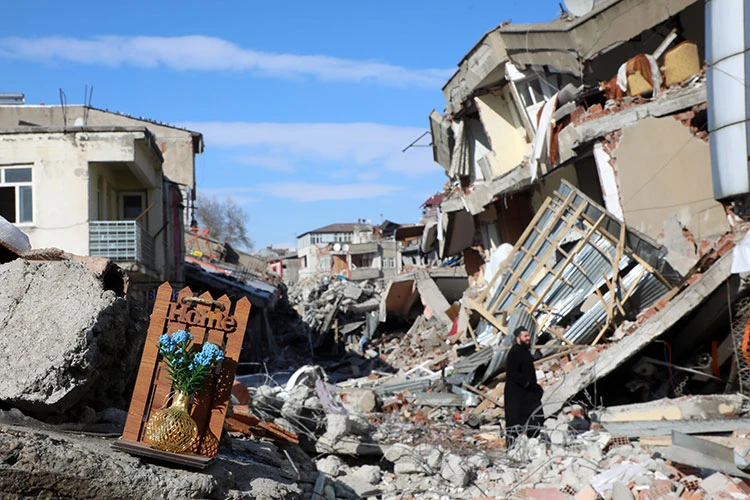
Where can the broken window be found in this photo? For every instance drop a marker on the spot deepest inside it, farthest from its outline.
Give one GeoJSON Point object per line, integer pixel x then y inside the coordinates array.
{"type": "Point", "coordinates": [16, 194]}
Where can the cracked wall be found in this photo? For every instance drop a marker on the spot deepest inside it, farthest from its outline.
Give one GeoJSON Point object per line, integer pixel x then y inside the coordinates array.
{"type": "Point", "coordinates": [663, 170]}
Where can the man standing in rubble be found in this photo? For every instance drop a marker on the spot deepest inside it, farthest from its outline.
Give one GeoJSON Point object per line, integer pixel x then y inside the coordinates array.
{"type": "Point", "coordinates": [523, 396]}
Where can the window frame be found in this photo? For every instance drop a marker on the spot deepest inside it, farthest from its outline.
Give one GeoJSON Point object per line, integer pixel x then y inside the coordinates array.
{"type": "Point", "coordinates": [121, 202]}
{"type": "Point", "coordinates": [17, 185]}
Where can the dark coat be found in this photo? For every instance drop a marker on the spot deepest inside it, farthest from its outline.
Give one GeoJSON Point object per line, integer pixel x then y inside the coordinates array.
{"type": "Point", "coordinates": [522, 394]}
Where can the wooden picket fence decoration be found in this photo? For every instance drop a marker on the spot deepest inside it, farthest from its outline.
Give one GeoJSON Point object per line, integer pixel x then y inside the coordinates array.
{"type": "Point", "coordinates": [207, 320]}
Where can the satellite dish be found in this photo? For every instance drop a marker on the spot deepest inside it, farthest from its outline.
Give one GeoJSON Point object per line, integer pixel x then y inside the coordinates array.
{"type": "Point", "coordinates": [579, 7]}
{"type": "Point", "coordinates": [337, 247]}
{"type": "Point", "coordinates": [346, 247]}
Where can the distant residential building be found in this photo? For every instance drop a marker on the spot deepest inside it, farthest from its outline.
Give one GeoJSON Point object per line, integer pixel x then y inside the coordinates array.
{"type": "Point", "coordinates": [354, 250]}
{"type": "Point", "coordinates": [281, 261]}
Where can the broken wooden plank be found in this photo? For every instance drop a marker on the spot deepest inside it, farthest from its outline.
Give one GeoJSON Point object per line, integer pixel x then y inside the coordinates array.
{"type": "Point", "coordinates": [482, 394]}
{"type": "Point", "coordinates": [432, 296]}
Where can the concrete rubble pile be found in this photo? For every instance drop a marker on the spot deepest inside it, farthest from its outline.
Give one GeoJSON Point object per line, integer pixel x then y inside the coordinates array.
{"type": "Point", "coordinates": [412, 450]}
{"type": "Point", "coordinates": [332, 305]}
{"type": "Point", "coordinates": [71, 350]}
{"type": "Point", "coordinates": [580, 307]}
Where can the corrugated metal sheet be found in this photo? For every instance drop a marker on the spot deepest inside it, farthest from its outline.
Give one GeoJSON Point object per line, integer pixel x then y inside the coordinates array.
{"type": "Point", "coordinates": [557, 288]}
{"type": "Point", "coordinates": [407, 385]}
{"type": "Point", "coordinates": [588, 325]}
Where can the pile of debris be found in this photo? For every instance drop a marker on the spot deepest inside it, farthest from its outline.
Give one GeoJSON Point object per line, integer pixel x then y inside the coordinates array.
{"type": "Point", "coordinates": [336, 311]}
{"type": "Point", "coordinates": [592, 292]}
{"type": "Point", "coordinates": [420, 448]}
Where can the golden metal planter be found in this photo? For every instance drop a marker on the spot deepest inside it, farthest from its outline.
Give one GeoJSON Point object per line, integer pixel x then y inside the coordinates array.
{"type": "Point", "coordinates": [172, 429]}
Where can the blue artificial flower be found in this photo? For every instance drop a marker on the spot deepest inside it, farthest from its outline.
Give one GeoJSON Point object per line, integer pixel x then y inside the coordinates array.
{"type": "Point", "coordinates": [165, 342]}
{"type": "Point", "coordinates": [181, 336]}
{"type": "Point", "coordinates": [188, 368]}
{"type": "Point", "coordinates": [212, 352]}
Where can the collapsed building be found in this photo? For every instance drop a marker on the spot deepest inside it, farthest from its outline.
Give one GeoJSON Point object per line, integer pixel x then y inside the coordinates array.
{"type": "Point", "coordinates": [531, 105]}
{"type": "Point", "coordinates": [583, 144]}
{"type": "Point", "coordinates": [579, 205]}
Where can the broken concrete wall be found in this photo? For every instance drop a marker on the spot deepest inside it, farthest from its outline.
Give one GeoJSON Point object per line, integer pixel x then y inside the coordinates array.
{"type": "Point", "coordinates": [483, 66]}
{"type": "Point", "coordinates": [506, 132]}
{"type": "Point", "coordinates": [691, 23]}
{"type": "Point", "coordinates": [663, 170]}
{"type": "Point", "coordinates": [66, 339]}
{"type": "Point", "coordinates": [488, 226]}
{"type": "Point", "coordinates": [546, 186]}
{"type": "Point", "coordinates": [458, 232]}
{"type": "Point", "coordinates": [563, 43]}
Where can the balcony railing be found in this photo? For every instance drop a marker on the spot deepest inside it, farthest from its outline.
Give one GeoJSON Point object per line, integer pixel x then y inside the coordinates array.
{"type": "Point", "coordinates": [121, 241]}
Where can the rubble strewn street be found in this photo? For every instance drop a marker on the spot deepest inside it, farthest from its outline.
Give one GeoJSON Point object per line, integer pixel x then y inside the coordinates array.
{"type": "Point", "coordinates": [595, 218]}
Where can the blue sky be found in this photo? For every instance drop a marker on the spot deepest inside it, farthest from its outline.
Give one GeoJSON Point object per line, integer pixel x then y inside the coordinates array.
{"type": "Point", "coordinates": [304, 106]}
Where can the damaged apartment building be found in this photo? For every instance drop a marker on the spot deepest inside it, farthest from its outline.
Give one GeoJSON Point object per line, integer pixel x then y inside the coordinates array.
{"type": "Point", "coordinates": [580, 99]}
{"type": "Point", "coordinates": [358, 251]}
{"type": "Point", "coordinates": [583, 145]}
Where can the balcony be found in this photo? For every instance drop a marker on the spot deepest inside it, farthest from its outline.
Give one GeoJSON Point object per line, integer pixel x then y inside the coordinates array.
{"type": "Point", "coordinates": [363, 248]}
{"type": "Point", "coordinates": [365, 273]}
{"type": "Point", "coordinates": [121, 241]}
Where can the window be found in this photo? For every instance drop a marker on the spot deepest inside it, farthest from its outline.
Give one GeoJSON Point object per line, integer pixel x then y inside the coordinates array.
{"type": "Point", "coordinates": [16, 202]}
{"type": "Point", "coordinates": [132, 204]}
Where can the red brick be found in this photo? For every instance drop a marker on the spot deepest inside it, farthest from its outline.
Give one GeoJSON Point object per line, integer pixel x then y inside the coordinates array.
{"type": "Point", "coordinates": [663, 483]}
{"type": "Point", "coordinates": [577, 115]}
{"type": "Point", "coordinates": [240, 392]}
{"type": "Point", "coordinates": [694, 278]}
{"type": "Point", "coordinates": [744, 485]}
{"type": "Point", "coordinates": [587, 356]}
{"type": "Point", "coordinates": [648, 313]}
{"type": "Point", "coordinates": [694, 495]}
{"type": "Point", "coordinates": [543, 494]}
{"type": "Point", "coordinates": [725, 248]}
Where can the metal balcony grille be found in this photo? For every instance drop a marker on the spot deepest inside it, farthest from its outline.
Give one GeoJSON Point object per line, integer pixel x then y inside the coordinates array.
{"type": "Point", "coordinates": [121, 241]}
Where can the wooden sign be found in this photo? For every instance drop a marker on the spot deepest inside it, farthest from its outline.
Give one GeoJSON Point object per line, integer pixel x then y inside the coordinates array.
{"type": "Point", "coordinates": [207, 320]}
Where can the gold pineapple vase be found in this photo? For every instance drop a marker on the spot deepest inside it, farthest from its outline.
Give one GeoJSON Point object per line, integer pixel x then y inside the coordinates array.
{"type": "Point", "coordinates": [172, 428]}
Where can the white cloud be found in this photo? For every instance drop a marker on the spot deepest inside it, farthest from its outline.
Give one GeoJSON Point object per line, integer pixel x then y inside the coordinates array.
{"type": "Point", "coordinates": [369, 146]}
{"type": "Point", "coordinates": [270, 162]}
{"type": "Point", "coordinates": [305, 192]}
{"type": "Point", "coordinates": [205, 53]}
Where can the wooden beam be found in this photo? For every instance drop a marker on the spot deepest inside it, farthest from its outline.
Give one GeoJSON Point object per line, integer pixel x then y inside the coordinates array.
{"type": "Point", "coordinates": [486, 314]}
